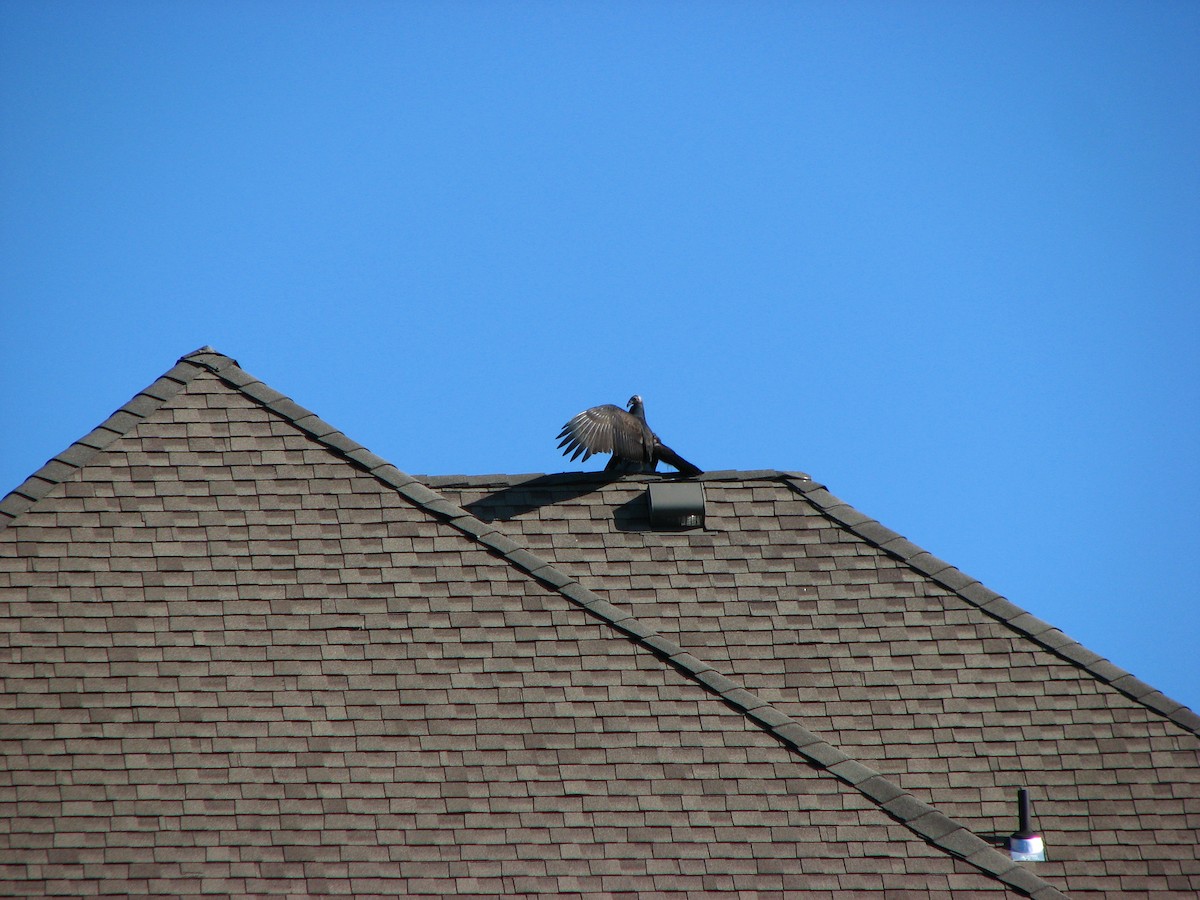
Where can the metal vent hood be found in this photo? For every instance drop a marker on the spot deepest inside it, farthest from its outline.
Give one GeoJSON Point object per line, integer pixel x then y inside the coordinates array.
{"type": "Point", "coordinates": [676, 504]}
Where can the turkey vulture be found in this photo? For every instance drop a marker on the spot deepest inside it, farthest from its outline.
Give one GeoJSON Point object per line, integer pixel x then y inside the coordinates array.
{"type": "Point", "coordinates": [609, 429]}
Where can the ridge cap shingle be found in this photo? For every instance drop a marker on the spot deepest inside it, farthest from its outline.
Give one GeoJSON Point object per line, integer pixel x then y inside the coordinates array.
{"type": "Point", "coordinates": [599, 476]}
{"type": "Point", "coordinates": [999, 608]}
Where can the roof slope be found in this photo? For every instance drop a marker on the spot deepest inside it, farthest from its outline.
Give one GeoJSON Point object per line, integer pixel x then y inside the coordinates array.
{"type": "Point", "coordinates": [244, 655]}
{"type": "Point", "coordinates": [900, 660]}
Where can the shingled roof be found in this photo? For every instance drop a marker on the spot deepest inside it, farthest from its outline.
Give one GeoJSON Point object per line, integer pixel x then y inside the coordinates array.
{"type": "Point", "coordinates": [244, 655]}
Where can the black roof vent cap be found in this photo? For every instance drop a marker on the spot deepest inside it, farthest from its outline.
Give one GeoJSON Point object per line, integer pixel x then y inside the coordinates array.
{"type": "Point", "coordinates": [676, 504]}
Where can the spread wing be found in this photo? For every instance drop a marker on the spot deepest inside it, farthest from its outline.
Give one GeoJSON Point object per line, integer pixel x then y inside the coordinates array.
{"type": "Point", "coordinates": [604, 429]}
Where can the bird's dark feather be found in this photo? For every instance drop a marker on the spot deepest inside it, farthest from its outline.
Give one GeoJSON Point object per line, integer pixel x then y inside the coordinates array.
{"type": "Point", "coordinates": [610, 429]}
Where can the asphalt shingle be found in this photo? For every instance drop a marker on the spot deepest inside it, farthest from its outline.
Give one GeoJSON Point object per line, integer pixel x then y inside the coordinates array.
{"type": "Point", "coordinates": [954, 693]}
{"type": "Point", "coordinates": [245, 655]}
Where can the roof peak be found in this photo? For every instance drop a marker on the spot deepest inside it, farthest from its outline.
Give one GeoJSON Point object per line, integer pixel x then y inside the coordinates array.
{"type": "Point", "coordinates": [208, 357]}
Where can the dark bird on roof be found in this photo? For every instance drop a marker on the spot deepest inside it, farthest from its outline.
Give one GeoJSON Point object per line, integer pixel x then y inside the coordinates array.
{"type": "Point", "coordinates": [610, 429]}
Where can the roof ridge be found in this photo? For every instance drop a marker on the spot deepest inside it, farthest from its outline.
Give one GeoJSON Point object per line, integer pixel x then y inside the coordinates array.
{"type": "Point", "coordinates": [998, 607]}
{"type": "Point", "coordinates": [600, 475]}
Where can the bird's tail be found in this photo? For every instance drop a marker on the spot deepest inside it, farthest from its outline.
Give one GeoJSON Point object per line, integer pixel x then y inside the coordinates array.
{"type": "Point", "coordinates": [671, 458]}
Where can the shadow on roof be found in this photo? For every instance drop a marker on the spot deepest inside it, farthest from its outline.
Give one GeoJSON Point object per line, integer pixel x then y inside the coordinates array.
{"type": "Point", "coordinates": [542, 490]}
{"type": "Point", "coordinates": [535, 492]}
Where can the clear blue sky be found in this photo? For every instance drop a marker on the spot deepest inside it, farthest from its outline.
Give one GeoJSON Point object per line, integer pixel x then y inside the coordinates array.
{"type": "Point", "coordinates": [945, 257]}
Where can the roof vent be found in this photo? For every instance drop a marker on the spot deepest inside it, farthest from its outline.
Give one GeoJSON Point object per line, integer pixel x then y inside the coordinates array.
{"type": "Point", "coordinates": [676, 504]}
{"type": "Point", "coordinates": [1025, 845]}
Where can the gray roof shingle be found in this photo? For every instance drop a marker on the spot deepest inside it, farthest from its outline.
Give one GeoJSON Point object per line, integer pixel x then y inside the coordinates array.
{"type": "Point", "coordinates": [906, 665]}
{"type": "Point", "coordinates": [242, 654]}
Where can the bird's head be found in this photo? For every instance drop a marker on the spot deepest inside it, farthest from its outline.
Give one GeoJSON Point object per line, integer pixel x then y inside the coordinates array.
{"type": "Point", "coordinates": [635, 407]}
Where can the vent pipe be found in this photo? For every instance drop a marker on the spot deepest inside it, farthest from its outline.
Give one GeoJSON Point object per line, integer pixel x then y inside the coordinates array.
{"type": "Point", "coordinates": [1025, 845]}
